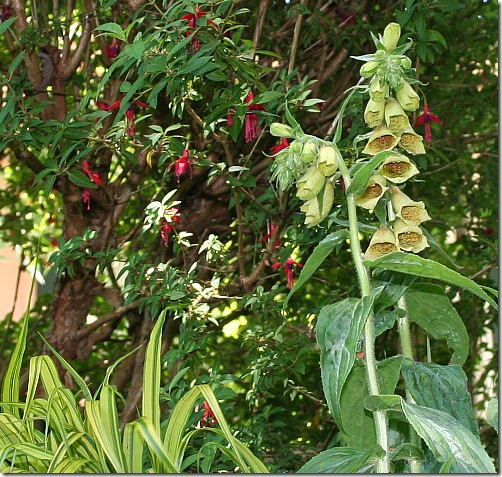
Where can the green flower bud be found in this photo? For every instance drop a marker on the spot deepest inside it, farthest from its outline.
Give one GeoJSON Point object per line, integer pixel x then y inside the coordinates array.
{"type": "Point", "coordinates": [405, 63]}
{"type": "Point", "coordinates": [379, 90]}
{"type": "Point", "coordinates": [411, 142]}
{"type": "Point", "coordinates": [410, 238]}
{"type": "Point", "coordinates": [310, 184]}
{"type": "Point", "coordinates": [328, 160]}
{"type": "Point", "coordinates": [408, 99]}
{"type": "Point", "coordinates": [397, 168]}
{"type": "Point", "coordinates": [411, 212]}
{"type": "Point", "coordinates": [395, 117]}
{"type": "Point", "coordinates": [281, 130]}
{"type": "Point", "coordinates": [381, 139]}
{"type": "Point", "coordinates": [369, 69]}
{"type": "Point", "coordinates": [318, 208]}
{"type": "Point", "coordinates": [310, 151]}
{"type": "Point", "coordinates": [374, 191]}
{"type": "Point", "coordinates": [383, 242]}
{"type": "Point", "coordinates": [391, 36]}
{"type": "Point", "coordinates": [296, 147]}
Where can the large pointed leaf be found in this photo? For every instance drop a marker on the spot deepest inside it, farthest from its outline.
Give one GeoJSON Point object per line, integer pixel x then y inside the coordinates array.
{"type": "Point", "coordinates": [341, 460]}
{"type": "Point", "coordinates": [441, 387]}
{"type": "Point", "coordinates": [423, 267]}
{"type": "Point", "coordinates": [321, 251]}
{"type": "Point", "coordinates": [448, 439]}
{"type": "Point", "coordinates": [429, 307]}
{"type": "Point", "coordinates": [359, 421]}
{"type": "Point", "coordinates": [338, 330]}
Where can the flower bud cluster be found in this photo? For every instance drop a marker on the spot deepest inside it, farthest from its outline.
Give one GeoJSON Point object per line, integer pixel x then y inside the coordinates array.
{"type": "Point", "coordinates": [310, 164]}
{"type": "Point", "coordinates": [390, 97]}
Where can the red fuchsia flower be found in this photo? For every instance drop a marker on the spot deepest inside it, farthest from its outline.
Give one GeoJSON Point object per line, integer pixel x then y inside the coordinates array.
{"type": "Point", "coordinates": [279, 147]}
{"type": "Point", "coordinates": [230, 118]}
{"type": "Point", "coordinates": [192, 18]}
{"type": "Point", "coordinates": [208, 419]}
{"type": "Point", "coordinates": [288, 270]}
{"type": "Point", "coordinates": [130, 127]}
{"type": "Point", "coordinates": [251, 128]}
{"type": "Point", "coordinates": [270, 234]}
{"type": "Point", "coordinates": [5, 13]}
{"type": "Point", "coordinates": [86, 197]}
{"type": "Point", "coordinates": [112, 50]}
{"type": "Point", "coordinates": [167, 223]}
{"type": "Point", "coordinates": [182, 165]}
{"type": "Point", "coordinates": [94, 176]}
{"type": "Point", "coordinates": [425, 118]}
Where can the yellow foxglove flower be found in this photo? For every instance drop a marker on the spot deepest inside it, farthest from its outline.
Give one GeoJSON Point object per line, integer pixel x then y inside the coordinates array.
{"type": "Point", "coordinates": [384, 241]}
{"type": "Point", "coordinates": [411, 212]}
{"type": "Point", "coordinates": [328, 160]}
{"type": "Point", "coordinates": [410, 238]}
{"type": "Point", "coordinates": [398, 168]}
{"type": "Point", "coordinates": [369, 69]}
{"type": "Point", "coordinates": [395, 117]}
{"type": "Point", "coordinates": [408, 99]}
{"type": "Point", "coordinates": [374, 191]}
{"type": "Point", "coordinates": [381, 139]}
{"type": "Point", "coordinates": [412, 142]}
{"type": "Point", "coordinates": [378, 90]}
{"type": "Point", "coordinates": [318, 208]}
{"type": "Point", "coordinates": [310, 184]}
{"type": "Point", "coordinates": [391, 35]}
{"type": "Point", "coordinates": [374, 113]}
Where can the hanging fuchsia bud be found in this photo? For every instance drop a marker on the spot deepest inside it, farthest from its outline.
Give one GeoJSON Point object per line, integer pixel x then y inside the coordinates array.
{"type": "Point", "coordinates": [94, 176]}
{"type": "Point", "coordinates": [182, 165]}
{"type": "Point", "coordinates": [167, 223]}
{"type": "Point", "coordinates": [251, 127]}
{"type": "Point", "coordinates": [112, 50]}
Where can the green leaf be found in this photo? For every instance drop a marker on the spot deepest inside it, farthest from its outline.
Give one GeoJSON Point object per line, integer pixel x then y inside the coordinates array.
{"type": "Point", "coordinates": [80, 179]}
{"type": "Point", "coordinates": [198, 66]}
{"type": "Point", "coordinates": [416, 265]}
{"type": "Point", "coordinates": [447, 438]}
{"type": "Point", "coordinates": [492, 413]}
{"type": "Point", "coordinates": [341, 460]}
{"type": "Point", "coordinates": [364, 173]}
{"type": "Point", "coordinates": [322, 250]}
{"type": "Point", "coordinates": [112, 29]}
{"type": "Point", "coordinates": [441, 387]}
{"type": "Point", "coordinates": [383, 402]}
{"type": "Point", "coordinates": [5, 25]}
{"type": "Point", "coordinates": [338, 330]}
{"type": "Point", "coordinates": [361, 426]}
{"type": "Point", "coordinates": [429, 307]}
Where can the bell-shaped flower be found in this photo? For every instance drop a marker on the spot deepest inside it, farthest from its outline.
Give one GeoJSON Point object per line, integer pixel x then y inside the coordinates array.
{"type": "Point", "coordinates": [395, 117]}
{"type": "Point", "coordinates": [374, 113]}
{"type": "Point", "coordinates": [251, 127]}
{"type": "Point", "coordinates": [383, 242]}
{"type": "Point", "coordinates": [381, 139]}
{"type": "Point", "coordinates": [408, 99]}
{"type": "Point", "coordinates": [379, 90]}
{"type": "Point", "coordinates": [410, 238]}
{"type": "Point", "coordinates": [411, 142]}
{"type": "Point", "coordinates": [391, 36]}
{"type": "Point", "coordinates": [374, 191]}
{"type": "Point", "coordinates": [310, 184]}
{"type": "Point", "coordinates": [288, 270]}
{"type": "Point", "coordinates": [328, 161]}
{"type": "Point", "coordinates": [397, 168]}
{"type": "Point", "coordinates": [411, 212]}
{"type": "Point", "coordinates": [318, 208]}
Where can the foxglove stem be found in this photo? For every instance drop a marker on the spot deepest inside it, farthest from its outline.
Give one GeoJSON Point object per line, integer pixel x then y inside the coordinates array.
{"type": "Point", "coordinates": [403, 326]}
{"type": "Point", "coordinates": [382, 465]}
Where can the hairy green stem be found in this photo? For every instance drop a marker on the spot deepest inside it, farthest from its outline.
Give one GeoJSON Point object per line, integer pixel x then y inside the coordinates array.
{"type": "Point", "coordinates": [382, 465]}
{"type": "Point", "coordinates": [403, 326]}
